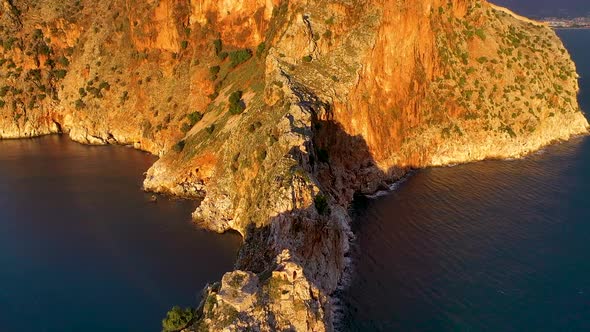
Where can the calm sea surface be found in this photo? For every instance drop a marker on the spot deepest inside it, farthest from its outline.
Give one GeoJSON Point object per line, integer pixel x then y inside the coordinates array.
{"type": "Point", "coordinates": [491, 246]}
{"type": "Point", "coordinates": [83, 249]}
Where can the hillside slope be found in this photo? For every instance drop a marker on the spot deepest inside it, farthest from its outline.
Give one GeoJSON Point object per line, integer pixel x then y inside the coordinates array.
{"type": "Point", "coordinates": [276, 112]}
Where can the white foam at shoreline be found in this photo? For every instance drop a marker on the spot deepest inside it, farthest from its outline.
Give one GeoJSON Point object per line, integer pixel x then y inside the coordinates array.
{"type": "Point", "coordinates": [393, 187]}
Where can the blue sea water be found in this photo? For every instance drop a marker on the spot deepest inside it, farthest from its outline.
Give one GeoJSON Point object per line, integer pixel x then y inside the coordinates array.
{"type": "Point", "coordinates": [82, 248]}
{"type": "Point", "coordinates": [490, 246]}
{"type": "Point", "coordinates": [545, 8]}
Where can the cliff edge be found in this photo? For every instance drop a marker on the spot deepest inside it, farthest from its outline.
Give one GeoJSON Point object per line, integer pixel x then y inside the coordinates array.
{"type": "Point", "coordinates": [276, 112]}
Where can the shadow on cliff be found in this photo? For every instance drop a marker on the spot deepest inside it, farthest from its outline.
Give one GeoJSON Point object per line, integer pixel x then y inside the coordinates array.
{"type": "Point", "coordinates": [344, 167]}
{"type": "Point", "coordinates": [319, 235]}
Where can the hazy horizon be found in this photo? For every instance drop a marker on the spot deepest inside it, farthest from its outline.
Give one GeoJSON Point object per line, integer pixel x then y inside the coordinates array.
{"type": "Point", "coordinates": [537, 8]}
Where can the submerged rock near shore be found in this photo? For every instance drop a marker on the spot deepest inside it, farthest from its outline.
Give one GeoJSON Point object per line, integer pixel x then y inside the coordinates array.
{"type": "Point", "coordinates": [277, 112]}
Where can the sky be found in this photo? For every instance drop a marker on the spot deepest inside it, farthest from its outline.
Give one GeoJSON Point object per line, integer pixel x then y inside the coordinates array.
{"type": "Point", "coordinates": [539, 8]}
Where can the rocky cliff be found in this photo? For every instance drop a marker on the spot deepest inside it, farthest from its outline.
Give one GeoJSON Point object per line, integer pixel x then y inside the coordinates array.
{"type": "Point", "coordinates": [276, 112]}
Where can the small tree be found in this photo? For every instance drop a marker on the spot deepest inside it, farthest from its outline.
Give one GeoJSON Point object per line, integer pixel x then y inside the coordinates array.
{"type": "Point", "coordinates": [236, 105]}
{"type": "Point", "coordinates": [238, 57]}
{"type": "Point", "coordinates": [214, 70]}
{"type": "Point", "coordinates": [177, 319]}
{"type": "Point", "coordinates": [60, 73]}
{"type": "Point", "coordinates": [261, 49]}
{"type": "Point", "coordinates": [194, 117]}
{"type": "Point", "coordinates": [178, 147]}
{"type": "Point", "coordinates": [218, 46]}
{"type": "Point", "coordinates": [63, 61]}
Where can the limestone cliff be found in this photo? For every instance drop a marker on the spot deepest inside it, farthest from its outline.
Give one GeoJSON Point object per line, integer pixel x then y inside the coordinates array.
{"type": "Point", "coordinates": [276, 112]}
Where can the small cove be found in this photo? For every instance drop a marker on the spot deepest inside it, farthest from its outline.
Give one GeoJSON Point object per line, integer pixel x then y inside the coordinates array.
{"type": "Point", "coordinates": [83, 248]}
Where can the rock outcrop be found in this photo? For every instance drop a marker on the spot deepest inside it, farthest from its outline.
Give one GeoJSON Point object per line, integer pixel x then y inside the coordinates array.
{"type": "Point", "coordinates": [276, 112]}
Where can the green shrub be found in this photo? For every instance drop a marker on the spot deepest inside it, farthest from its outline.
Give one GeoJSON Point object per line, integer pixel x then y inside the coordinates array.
{"type": "Point", "coordinates": [2, 103]}
{"type": "Point", "coordinates": [509, 131]}
{"type": "Point", "coordinates": [194, 117]}
{"type": "Point", "coordinates": [482, 59]}
{"type": "Point", "coordinates": [446, 133]}
{"type": "Point", "coordinates": [177, 319]}
{"type": "Point", "coordinates": [465, 58]}
{"type": "Point", "coordinates": [214, 70]}
{"type": "Point", "coordinates": [481, 34]}
{"type": "Point", "coordinates": [235, 97]}
{"type": "Point", "coordinates": [94, 91]}
{"type": "Point", "coordinates": [124, 97]}
{"type": "Point", "coordinates": [4, 90]}
{"type": "Point", "coordinates": [236, 108]}
{"type": "Point", "coordinates": [236, 105]}
{"type": "Point", "coordinates": [321, 204]}
{"type": "Point", "coordinates": [261, 48]}
{"type": "Point", "coordinates": [37, 34]}
{"type": "Point", "coordinates": [43, 49]}
{"type": "Point", "coordinates": [60, 73]}
{"type": "Point", "coordinates": [210, 129]}
{"type": "Point", "coordinates": [104, 86]}
{"type": "Point", "coordinates": [307, 58]}
{"type": "Point", "coordinates": [218, 46]}
{"type": "Point", "coordinates": [79, 104]}
{"type": "Point", "coordinates": [184, 44]}
{"type": "Point", "coordinates": [223, 56]}
{"type": "Point", "coordinates": [462, 81]}
{"type": "Point", "coordinates": [178, 147]}
{"type": "Point", "coordinates": [214, 95]}
{"type": "Point", "coordinates": [254, 126]}
{"type": "Point", "coordinates": [34, 74]}
{"type": "Point", "coordinates": [9, 43]}
{"type": "Point", "coordinates": [238, 57]}
{"type": "Point", "coordinates": [186, 127]}
{"type": "Point", "coordinates": [63, 61]}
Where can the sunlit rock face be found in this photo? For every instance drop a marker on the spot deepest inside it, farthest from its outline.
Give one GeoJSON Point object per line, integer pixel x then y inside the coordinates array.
{"type": "Point", "coordinates": [337, 97]}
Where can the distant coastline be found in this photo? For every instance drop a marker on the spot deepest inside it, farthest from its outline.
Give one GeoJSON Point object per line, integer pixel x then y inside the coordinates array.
{"type": "Point", "coordinates": [567, 23]}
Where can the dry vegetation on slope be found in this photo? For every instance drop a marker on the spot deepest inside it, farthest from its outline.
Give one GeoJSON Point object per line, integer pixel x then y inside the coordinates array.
{"type": "Point", "coordinates": [277, 112]}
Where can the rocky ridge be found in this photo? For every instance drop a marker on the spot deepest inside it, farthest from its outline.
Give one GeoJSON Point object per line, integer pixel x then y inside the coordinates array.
{"type": "Point", "coordinates": [277, 112]}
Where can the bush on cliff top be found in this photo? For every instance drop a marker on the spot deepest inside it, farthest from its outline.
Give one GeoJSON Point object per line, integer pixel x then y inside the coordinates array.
{"type": "Point", "coordinates": [178, 147]}
{"type": "Point", "coordinates": [236, 105]}
{"type": "Point", "coordinates": [240, 56]}
{"type": "Point", "coordinates": [218, 45]}
{"type": "Point", "coordinates": [177, 319]}
{"type": "Point", "coordinates": [194, 117]}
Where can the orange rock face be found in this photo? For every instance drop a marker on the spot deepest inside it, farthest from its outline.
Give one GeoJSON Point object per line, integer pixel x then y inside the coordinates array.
{"type": "Point", "coordinates": [242, 23]}
{"type": "Point", "coordinates": [403, 70]}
